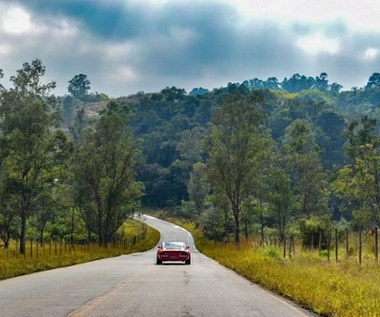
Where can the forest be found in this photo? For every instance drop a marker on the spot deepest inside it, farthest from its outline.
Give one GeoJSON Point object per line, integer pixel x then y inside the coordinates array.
{"type": "Point", "coordinates": [298, 156]}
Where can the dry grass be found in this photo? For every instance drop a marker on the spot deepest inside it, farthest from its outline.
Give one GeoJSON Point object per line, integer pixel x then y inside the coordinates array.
{"type": "Point", "coordinates": [59, 255]}
{"type": "Point", "coordinates": [331, 289]}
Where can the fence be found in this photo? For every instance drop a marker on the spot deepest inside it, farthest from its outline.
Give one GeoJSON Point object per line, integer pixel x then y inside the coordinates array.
{"type": "Point", "coordinates": [34, 249]}
{"type": "Point", "coordinates": [336, 245]}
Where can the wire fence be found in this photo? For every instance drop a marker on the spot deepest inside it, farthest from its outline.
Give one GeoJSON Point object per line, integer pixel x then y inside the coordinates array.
{"type": "Point", "coordinates": [36, 249]}
{"type": "Point", "coordinates": [333, 245]}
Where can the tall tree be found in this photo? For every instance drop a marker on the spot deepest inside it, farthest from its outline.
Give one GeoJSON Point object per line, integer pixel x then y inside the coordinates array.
{"type": "Point", "coordinates": [231, 146]}
{"type": "Point", "coordinates": [281, 197]}
{"type": "Point", "coordinates": [373, 81]}
{"type": "Point", "coordinates": [79, 86]}
{"type": "Point", "coordinates": [105, 173]}
{"type": "Point", "coordinates": [358, 183]}
{"type": "Point", "coordinates": [307, 178]}
{"type": "Point", "coordinates": [197, 187]}
{"type": "Point", "coordinates": [29, 129]}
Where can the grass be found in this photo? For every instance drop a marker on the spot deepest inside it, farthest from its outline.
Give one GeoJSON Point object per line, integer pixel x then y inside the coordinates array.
{"type": "Point", "coordinates": [328, 288]}
{"type": "Point", "coordinates": [58, 255]}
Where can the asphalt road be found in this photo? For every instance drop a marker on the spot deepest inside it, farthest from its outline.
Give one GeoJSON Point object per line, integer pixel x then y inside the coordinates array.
{"type": "Point", "coordinates": [133, 285]}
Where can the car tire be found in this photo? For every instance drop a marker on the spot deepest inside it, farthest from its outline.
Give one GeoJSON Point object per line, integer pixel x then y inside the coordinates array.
{"type": "Point", "coordinates": [158, 261]}
{"type": "Point", "coordinates": [188, 262]}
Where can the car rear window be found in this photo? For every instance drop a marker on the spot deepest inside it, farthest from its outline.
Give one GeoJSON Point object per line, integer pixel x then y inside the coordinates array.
{"type": "Point", "coordinates": [174, 245]}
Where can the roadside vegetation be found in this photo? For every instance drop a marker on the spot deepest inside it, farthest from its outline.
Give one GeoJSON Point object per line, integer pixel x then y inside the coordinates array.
{"type": "Point", "coordinates": [329, 288]}
{"type": "Point", "coordinates": [136, 237]}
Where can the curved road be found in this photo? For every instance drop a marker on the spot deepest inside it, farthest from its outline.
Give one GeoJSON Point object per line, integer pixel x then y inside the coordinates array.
{"type": "Point", "coordinates": [132, 285]}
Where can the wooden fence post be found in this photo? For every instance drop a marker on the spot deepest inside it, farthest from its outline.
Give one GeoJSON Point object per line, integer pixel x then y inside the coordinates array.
{"type": "Point", "coordinates": [360, 247]}
{"type": "Point", "coordinates": [312, 241]}
{"type": "Point", "coordinates": [328, 245]}
{"type": "Point", "coordinates": [294, 245]}
{"type": "Point", "coordinates": [376, 245]}
{"type": "Point", "coordinates": [336, 245]}
{"type": "Point", "coordinates": [284, 247]}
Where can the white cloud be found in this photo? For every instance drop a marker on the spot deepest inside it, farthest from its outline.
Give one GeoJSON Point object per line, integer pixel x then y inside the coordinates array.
{"type": "Point", "coordinates": [16, 20]}
{"type": "Point", "coordinates": [370, 53]}
{"type": "Point", "coordinates": [318, 43]}
{"type": "Point", "coordinates": [362, 14]}
{"type": "Point", "coordinates": [5, 49]}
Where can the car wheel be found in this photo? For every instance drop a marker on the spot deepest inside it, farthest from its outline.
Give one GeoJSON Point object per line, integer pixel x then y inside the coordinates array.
{"type": "Point", "coordinates": [188, 262]}
{"type": "Point", "coordinates": [158, 261]}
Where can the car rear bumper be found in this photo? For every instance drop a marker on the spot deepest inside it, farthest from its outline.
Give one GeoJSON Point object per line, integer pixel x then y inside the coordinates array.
{"type": "Point", "coordinates": [173, 257]}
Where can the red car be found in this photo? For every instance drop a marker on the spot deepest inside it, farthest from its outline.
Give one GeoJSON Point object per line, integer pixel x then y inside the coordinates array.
{"type": "Point", "coordinates": [173, 251]}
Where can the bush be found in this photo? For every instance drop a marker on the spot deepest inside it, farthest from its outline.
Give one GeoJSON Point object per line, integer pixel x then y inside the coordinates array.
{"type": "Point", "coordinates": [272, 252]}
{"type": "Point", "coordinates": [311, 229]}
{"type": "Point", "coordinates": [212, 223]}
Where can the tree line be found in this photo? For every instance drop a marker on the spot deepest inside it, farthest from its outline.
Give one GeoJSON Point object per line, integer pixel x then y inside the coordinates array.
{"type": "Point", "coordinates": [76, 184]}
{"type": "Point", "coordinates": [242, 160]}
{"type": "Point", "coordinates": [238, 159]}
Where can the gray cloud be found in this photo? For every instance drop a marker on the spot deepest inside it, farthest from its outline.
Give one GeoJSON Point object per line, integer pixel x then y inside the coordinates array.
{"type": "Point", "coordinates": [128, 46]}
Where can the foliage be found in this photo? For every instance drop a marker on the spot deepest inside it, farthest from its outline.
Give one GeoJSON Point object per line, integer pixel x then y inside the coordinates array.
{"type": "Point", "coordinates": [231, 147]}
{"type": "Point", "coordinates": [286, 146]}
{"type": "Point", "coordinates": [358, 183]}
{"type": "Point", "coordinates": [212, 223]}
{"type": "Point", "coordinates": [79, 86]}
{"type": "Point", "coordinates": [105, 173]}
{"type": "Point", "coordinates": [34, 146]}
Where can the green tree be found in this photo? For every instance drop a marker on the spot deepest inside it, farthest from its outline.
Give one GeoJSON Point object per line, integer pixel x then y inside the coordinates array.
{"type": "Point", "coordinates": [77, 128]}
{"type": "Point", "coordinates": [31, 135]}
{"type": "Point", "coordinates": [105, 173]}
{"type": "Point", "coordinates": [79, 86]}
{"type": "Point", "coordinates": [373, 81]}
{"type": "Point", "coordinates": [358, 183]}
{"type": "Point", "coordinates": [308, 180]}
{"type": "Point", "coordinates": [198, 188]}
{"type": "Point", "coordinates": [359, 134]}
{"type": "Point", "coordinates": [281, 197]}
{"type": "Point", "coordinates": [231, 146]}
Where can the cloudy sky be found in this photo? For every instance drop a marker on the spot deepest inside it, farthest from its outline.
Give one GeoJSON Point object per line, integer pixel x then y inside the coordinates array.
{"type": "Point", "coordinates": [125, 46]}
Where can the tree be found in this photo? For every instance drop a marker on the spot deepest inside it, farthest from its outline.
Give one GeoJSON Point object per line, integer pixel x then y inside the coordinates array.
{"type": "Point", "coordinates": [35, 145]}
{"type": "Point", "coordinates": [79, 86]}
{"type": "Point", "coordinates": [231, 146]}
{"type": "Point", "coordinates": [359, 134]}
{"type": "Point", "coordinates": [105, 171]}
{"type": "Point", "coordinates": [373, 81]}
{"type": "Point", "coordinates": [198, 188]}
{"type": "Point", "coordinates": [272, 83]}
{"type": "Point", "coordinates": [297, 83]}
{"type": "Point", "coordinates": [307, 177]}
{"type": "Point", "coordinates": [8, 210]}
{"type": "Point", "coordinates": [358, 184]}
{"type": "Point", "coordinates": [77, 128]}
{"type": "Point", "coordinates": [281, 197]}
{"type": "Point", "coordinates": [321, 82]}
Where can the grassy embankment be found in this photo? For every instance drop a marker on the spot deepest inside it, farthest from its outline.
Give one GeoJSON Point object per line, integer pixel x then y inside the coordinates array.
{"type": "Point", "coordinates": [58, 255]}
{"type": "Point", "coordinates": [330, 289]}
